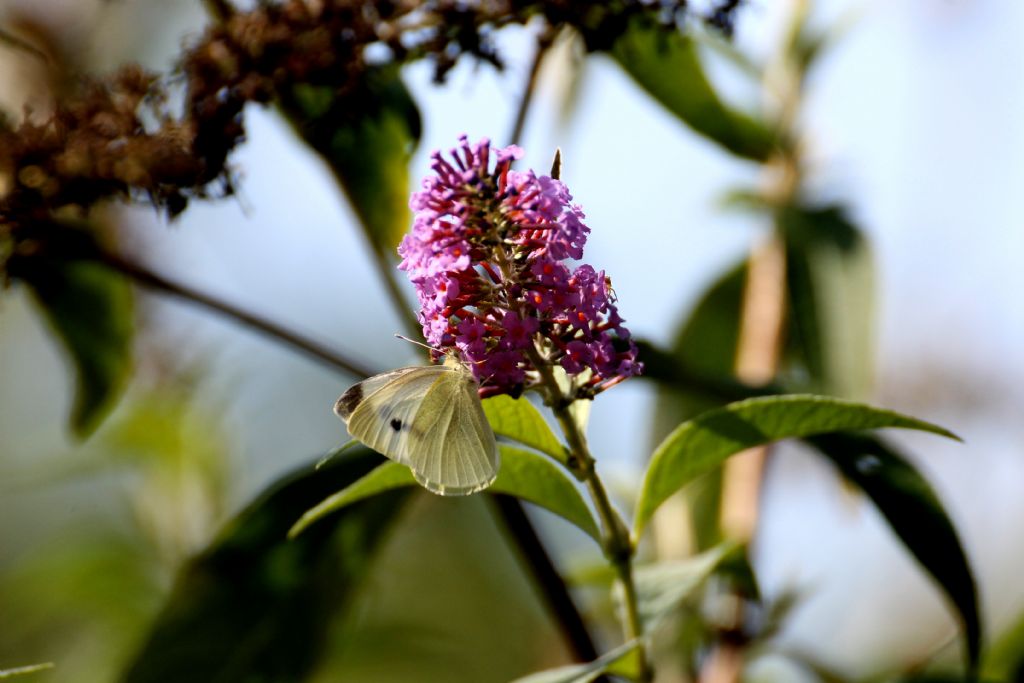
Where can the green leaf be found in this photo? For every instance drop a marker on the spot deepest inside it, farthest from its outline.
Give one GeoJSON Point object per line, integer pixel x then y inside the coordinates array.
{"type": "Point", "coordinates": [830, 280]}
{"type": "Point", "coordinates": [830, 284]}
{"type": "Point", "coordinates": [523, 474]}
{"type": "Point", "coordinates": [367, 139]}
{"type": "Point", "coordinates": [620, 662]}
{"type": "Point", "coordinates": [22, 670]}
{"type": "Point", "coordinates": [536, 479]}
{"type": "Point", "coordinates": [519, 420]}
{"type": "Point", "coordinates": [256, 606]}
{"type": "Point", "coordinates": [89, 308]}
{"type": "Point", "coordinates": [710, 336]}
{"type": "Point", "coordinates": [830, 295]}
{"type": "Point", "coordinates": [697, 375]}
{"type": "Point", "coordinates": [662, 587]}
{"type": "Point", "coordinates": [829, 340]}
{"type": "Point", "coordinates": [665, 63]}
{"type": "Point", "coordinates": [705, 442]}
{"type": "Point", "coordinates": [1004, 658]}
{"type": "Point", "coordinates": [451, 598]}
{"type": "Point", "coordinates": [627, 663]}
{"type": "Point", "coordinates": [385, 477]}
{"type": "Point", "coordinates": [914, 513]}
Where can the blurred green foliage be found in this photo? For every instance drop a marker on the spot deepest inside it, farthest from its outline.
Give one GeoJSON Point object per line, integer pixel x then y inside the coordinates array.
{"type": "Point", "coordinates": [90, 311]}
{"type": "Point", "coordinates": [367, 147]}
{"type": "Point", "coordinates": [524, 474]}
{"type": "Point", "coordinates": [666, 65]}
{"type": "Point", "coordinates": [143, 495]}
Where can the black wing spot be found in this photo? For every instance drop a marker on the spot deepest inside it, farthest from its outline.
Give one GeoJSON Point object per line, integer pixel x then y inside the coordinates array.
{"type": "Point", "coordinates": [396, 424]}
{"type": "Point", "coordinates": [349, 401]}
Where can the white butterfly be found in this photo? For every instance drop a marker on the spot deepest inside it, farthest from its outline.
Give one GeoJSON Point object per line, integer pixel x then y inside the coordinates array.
{"type": "Point", "coordinates": [430, 419]}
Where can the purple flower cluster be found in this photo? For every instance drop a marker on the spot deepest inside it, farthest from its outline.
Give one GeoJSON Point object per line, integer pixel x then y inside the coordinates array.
{"type": "Point", "coordinates": [486, 254]}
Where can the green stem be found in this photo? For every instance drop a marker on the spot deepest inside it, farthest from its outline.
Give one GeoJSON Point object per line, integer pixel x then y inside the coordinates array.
{"type": "Point", "coordinates": [615, 538]}
{"type": "Point", "coordinates": [617, 545]}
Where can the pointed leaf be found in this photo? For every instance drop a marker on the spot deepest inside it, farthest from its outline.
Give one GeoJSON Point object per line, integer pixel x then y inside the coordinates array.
{"type": "Point", "coordinates": [830, 279]}
{"type": "Point", "coordinates": [914, 513]}
{"type": "Point", "coordinates": [665, 63]}
{"type": "Point", "coordinates": [89, 308]}
{"type": "Point", "coordinates": [367, 138]}
{"type": "Point", "coordinates": [830, 283]}
{"type": "Point", "coordinates": [519, 420]}
{"type": "Point", "coordinates": [695, 375]}
{"type": "Point", "coordinates": [536, 479]}
{"type": "Point", "coordinates": [618, 661]}
{"type": "Point", "coordinates": [523, 474]}
{"type": "Point", "coordinates": [710, 336]}
{"type": "Point", "coordinates": [1004, 658]}
{"type": "Point", "coordinates": [662, 587]}
{"type": "Point", "coordinates": [627, 664]}
{"type": "Point", "coordinates": [387, 476]}
{"type": "Point", "coordinates": [702, 444]}
{"type": "Point", "coordinates": [257, 606]}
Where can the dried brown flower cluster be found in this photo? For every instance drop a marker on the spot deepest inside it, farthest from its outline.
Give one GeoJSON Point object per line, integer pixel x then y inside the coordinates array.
{"type": "Point", "coordinates": [94, 145]}
{"type": "Point", "coordinates": [114, 139]}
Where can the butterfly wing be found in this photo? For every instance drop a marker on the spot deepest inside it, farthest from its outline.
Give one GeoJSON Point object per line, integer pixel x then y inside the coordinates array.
{"type": "Point", "coordinates": [357, 393]}
{"type": "Point", "coordinates": [380, 411]}
{"type": "Point", "coordinates": [451, 449]}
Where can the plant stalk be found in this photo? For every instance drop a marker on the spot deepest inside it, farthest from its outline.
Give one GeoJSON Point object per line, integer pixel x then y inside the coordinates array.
{"type": "Point", "coordinates": [544, 41]}
{"type": "Point", "coordinates": [145, 277]}
{"type": "Point", "coordinates": [220, 11]}
{"type": "Point", "coordinates": [387, 269]}
{"type": "Point", "coordinates": [762, 320]}
{"type": "Point", "coordinates": [547, 578]}
{"type": "Point", "coordinates": [618, 547]}
{"type": "Point", "coordinates": [617, 544]}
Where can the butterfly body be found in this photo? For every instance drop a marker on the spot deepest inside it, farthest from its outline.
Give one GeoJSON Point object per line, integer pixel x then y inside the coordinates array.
{"type": "Point", "coordinates": [430, 419]}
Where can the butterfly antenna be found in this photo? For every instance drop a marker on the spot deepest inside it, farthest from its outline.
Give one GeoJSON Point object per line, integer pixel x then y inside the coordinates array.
{"type": "Point", "coordinates": [417, 343]}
